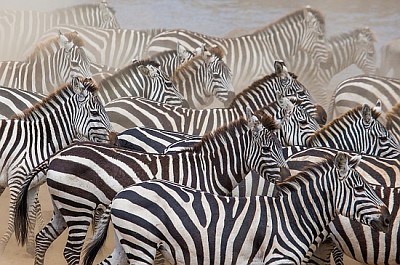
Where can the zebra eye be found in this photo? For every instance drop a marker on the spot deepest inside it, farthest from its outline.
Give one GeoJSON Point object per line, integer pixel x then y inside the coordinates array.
{"type": "Point", "coordinates": [94, 112]}
{"type": "Point", "coordinates": [359, 188]}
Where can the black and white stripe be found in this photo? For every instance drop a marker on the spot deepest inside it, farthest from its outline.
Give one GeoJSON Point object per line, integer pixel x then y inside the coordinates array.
{"type": "Point", "coordinates": [355, 47]}
{"type": "Point", "coordinates": [195, 227]}
{"type": "Point", "coordinates": [131, 112]}
{"type": "Point", "coordinates": [52, 64]}
{"type": "Point", "coordinates": [20, 29]}
{"type": "Point", "coordinates": [142, 79]}
{"type": "Point", "coordinates": [71, 112]}
{"type": "Point", "coordinates": [249, 56]}
{"type": "Point", "coordinates": [365, 89]}
{"type": "Point", "coordinates": [360, 242]}
{"type": "Point", "coordinates": [223, 159]}
{"type": "Point", "coordinates": [393, 121]}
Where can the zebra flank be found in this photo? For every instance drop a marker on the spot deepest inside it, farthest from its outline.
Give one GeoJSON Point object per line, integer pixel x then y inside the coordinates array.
{"type": "Point", "coordinates": [15, 43]}
{"type": "Point", "coordinates": [143, 79]}
{"type": "Point", "coordinates": [366, 89]}
{"type": "Point", "coordinates": [50, 65]}
{"type": "Point", "coordinates": [393, 121]}
{"type": "Point", "coordinates": [158, 214]}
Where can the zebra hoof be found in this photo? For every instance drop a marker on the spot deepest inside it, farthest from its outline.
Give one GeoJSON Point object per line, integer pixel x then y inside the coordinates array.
{"type": "Point", "coordinates": [30, 248]}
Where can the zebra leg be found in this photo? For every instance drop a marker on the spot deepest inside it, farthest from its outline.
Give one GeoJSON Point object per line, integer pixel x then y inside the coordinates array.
{"type": "Point", "coordinates": [38, 211]}
{"type": "Point", "coordinates": [322, 255]}
{"type": "Point", "coordinates": [337, 256]}
{"type": "Point", "coordinates": [118, 256]}
{"type": "Point", "coordinates": [33, 200]}
{"type": "Point", "coordinates": [48, 234]}
{"type": "Point", "coordinates": [77, 230]}
{"type": "Point", "coordinates": [15, 188]}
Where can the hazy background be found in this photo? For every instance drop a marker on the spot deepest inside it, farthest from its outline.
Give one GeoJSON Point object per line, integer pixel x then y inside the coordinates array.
{"type": "Point", "coordinates": [214, 17]}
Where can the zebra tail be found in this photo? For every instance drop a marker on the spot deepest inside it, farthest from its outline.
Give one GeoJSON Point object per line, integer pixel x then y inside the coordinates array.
{"type": "Point", "coordinates": [21, 206]}
{"type": "Point", "coordinates": [99, 237]}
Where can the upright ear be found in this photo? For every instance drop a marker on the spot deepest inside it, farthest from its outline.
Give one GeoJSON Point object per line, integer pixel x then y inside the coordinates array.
{"type": "Point", "coordinates": [378, 106]}
{"type": "Point", "coordinates": [200, 50]}
{"type": "Point", "coordinates": [148, 70]}
{"type": "Point", "coordinates": [342, 164]}
{"type": "Point", "coordinates": [254, 123]}
{"type": "Point", "coordinates": [65, 43]}
{"type": "Point", "coordinates": [354, 161]}
{"type": "Point", "coordinates": [281, 69]}
{"type": "Point", "coordinates": [78, 87]}
{"type": "Point", "coordinates": [183, 53]}
{"type": "Point", "coordinates": [366, 114]}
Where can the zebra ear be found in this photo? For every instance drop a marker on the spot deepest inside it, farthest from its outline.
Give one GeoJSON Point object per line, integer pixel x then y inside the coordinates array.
{"type": "Point", "coordinates": [378, 106]}
{"type": "Point", "coordinates": [342, 165]}
{"type": "Point", "coordinates": [104, 11]}
{"type": "Point", "coordinates": [148, 70]}
{"type": "Point", "coordinates": [77, 85]}
{"type": "Point", "coordinates": [65, 43]}
{"type": "Point", "coordinates": [253, 122]}
{"type": "Point", "coordinates": [354, 161]}
{"type": "Point", "coordinates": [280, 69]}
{"type": "Point", "coordinates": [366, 113]}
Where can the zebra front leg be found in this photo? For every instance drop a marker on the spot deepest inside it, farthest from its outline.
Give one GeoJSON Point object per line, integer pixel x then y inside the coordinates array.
{"type": "Point", "coordinates": [77, 230]}
{"type": "Point", "coordinates": [48, 234]}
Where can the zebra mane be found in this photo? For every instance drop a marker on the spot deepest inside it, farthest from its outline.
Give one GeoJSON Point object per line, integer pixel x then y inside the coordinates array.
{"type": "Point", "coordinates": [89, 85]}
{"type": "Point", "coordinates": [354, 113]}
{"type": "Point", "coordinates": [53, 41]}
{"type": "Point", "coordinates": [312, 168]}
{"type": "Point", "coordinates": [134, 65]}
{"type": "Point", "coordinates": [393, 114]}
{"type": "Point", "coordinates": [354, 33]}
{"type": "Point", "coordinates": [217, 51]}
{"type": "Point", "coordinates": [296, 14]}
{"type": "Point", "coordinates": [256, 84]}
{"type": "Point", "coordinates": [267, 121]}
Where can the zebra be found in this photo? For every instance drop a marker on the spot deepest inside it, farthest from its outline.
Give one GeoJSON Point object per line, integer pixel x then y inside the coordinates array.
{"type": "Point", "coordinates": [390, 56]}
{"type": "Point", "coordinates": [142, 78]}
{"type": "Point", "coordinates": [249, 56]}
{"type": "Point", "coordinates": [203, 78]}
{"type": "Point", "coordinates": [72, 111]}
{"type": "Point", "coordinates": [190, 226]}
{"type": "Point", "coordinates": [114, 47]}
{"type": "Point", "coordinates": [356, 241]}
{"type": "Point", "coordinates": [52, 64]}
{"type": "Point", "coordinates": [393, 121]}
{"type": "Point", "coordinates": [14, 101]}
{"type": "Point", "coordinates": [354, 47]}
{"type": "Point", "coordinates": [15, 43]}
{"type": "Point", "coordinates": [128, 112]}
{"type": "Point", "coordinates": [217, 164]}
{"type": "Point", "coordinates": [365, 89]}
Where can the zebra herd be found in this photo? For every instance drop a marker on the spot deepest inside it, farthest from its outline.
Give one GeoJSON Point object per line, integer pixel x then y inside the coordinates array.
{"type": "Point", "coordinates": [197, 149]}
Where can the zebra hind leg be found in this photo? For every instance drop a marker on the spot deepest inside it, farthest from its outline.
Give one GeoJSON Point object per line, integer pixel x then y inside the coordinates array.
{"type": "Point", "coordinates": [48, 234]}
{"type": "Point", "coordinates": [337, 256]}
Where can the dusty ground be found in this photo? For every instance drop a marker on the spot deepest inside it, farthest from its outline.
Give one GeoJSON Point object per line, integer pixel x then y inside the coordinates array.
{"type": "Point", "coordinates": [16, 255]}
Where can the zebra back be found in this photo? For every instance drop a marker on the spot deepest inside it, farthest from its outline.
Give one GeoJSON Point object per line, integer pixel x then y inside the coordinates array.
{"type": "Point", "coordinates": [362, 243]}
{"type": "Point", "coordinates": [249, 56]}
{"type": "Point", "coordinates": [259, 218]}
{"type": "Point", "coordinates": [143, 79]}
{"type": "Point", "coordinates": [15, 43]}
{"type": "Point", "coordinates": [389, 65]}
{"type": "Point", "coordinates": [365, 89]}
{"type": "Point", "coordinates": [51, 64]}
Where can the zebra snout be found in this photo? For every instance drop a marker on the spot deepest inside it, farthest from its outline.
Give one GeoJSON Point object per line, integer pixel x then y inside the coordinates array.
{"type": "Point", "coordinates": [321, 115]}
{"type": "Point", "coordinates": [384, 221]}
{"type": "Point", "coordinates": [113, 138]}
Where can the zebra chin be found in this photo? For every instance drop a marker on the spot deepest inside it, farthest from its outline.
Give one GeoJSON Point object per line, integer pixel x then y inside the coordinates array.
{"type": "Point", "coordinates": [383, 222]}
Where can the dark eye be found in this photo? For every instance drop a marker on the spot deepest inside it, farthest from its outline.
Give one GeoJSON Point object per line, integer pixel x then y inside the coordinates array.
{"type": "Point", "coordinates": [94, 112]}
{"type": "Point", "coordinates": [359, 188]}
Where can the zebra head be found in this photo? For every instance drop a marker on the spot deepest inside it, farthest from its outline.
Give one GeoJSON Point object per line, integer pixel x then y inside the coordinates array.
{"type": "Point", "coordinates": [354, 198]}
{"type": "Point", "coordinates": [219, 76]}
{"type": "Point", "coordinates": [74, 61]}
{"type": "Point", "coordinates": [264, 155]}
{"type": "Point", "coordinates": [163, 88]}
{"type": "Point", "coordinates": [365, 50]}
{"type": "Point", "coordinates": [295, 124]}
{"type": "Point", "coordinates": [289, 86]}
{"type": "Point", "coordinates": [90, 119]}
{"type": "Point", "coordinates": [314, 40]}
{"type": "Point", "coordinates": [378, 140]}
{"type": "Point", "coordinates": [107, 17]}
